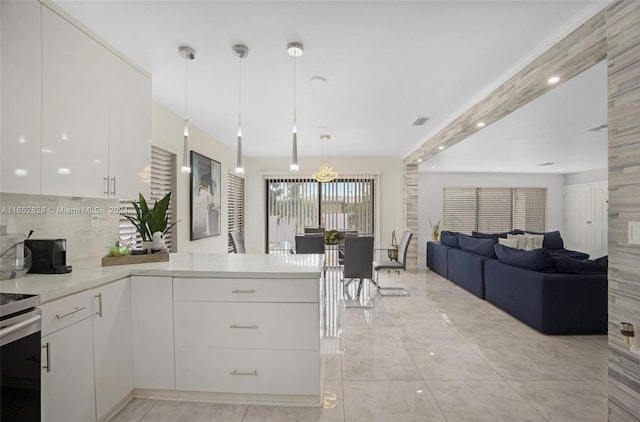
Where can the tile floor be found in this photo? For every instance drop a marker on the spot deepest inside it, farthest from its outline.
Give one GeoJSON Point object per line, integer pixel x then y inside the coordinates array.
{"type": "Point", "coordinates": [440, 354]}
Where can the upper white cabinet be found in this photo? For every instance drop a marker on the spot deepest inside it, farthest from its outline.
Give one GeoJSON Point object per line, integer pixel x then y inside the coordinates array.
{"type": "Point", "coordinates": [75, 110]}
{"type": "Point", "coordinates": [20, 62]}
{"type": "Point", "coordinates": [82, 123]}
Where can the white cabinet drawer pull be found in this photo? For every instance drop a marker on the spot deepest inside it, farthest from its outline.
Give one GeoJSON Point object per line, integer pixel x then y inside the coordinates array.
{"type": "Point", "coordinates": [76, 309]}
{"type": "Point", "coordinates": [48, 365]}
{"type": "Point", "coordinates": [243, 291]}
{"type": "Point", "coordinates": [99, 297]}
{"type": "Point", "coordinates": [252, 373]}
{"type": "Point", "coordinates": [253, 327]}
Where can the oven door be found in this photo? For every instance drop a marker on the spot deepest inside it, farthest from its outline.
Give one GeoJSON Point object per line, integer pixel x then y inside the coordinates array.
{"type": "Point", "coordinates": [20, 367]}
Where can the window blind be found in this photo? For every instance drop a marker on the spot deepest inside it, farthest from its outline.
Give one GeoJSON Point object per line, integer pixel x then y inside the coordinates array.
{"type": "Point", "coordinates": [163, 181]}
{"type": "Point", "coordinates": [235, 206]}
{"type": "Point", "coordinates": [492, 210]}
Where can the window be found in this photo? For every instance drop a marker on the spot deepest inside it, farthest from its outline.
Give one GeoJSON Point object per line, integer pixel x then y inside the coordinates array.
{"type": "Point", "coordinates": [491, 210]}
{"type": "Point", "coordinates": [342, 204]}
{"type": "Point", "coordinates": [163, 181]}
{"type": "Point", "coordinates": [235, 205]}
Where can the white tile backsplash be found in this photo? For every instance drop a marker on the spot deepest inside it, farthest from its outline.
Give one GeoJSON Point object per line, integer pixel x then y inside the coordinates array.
{"type": "Point", "coordinates": [90, 225]}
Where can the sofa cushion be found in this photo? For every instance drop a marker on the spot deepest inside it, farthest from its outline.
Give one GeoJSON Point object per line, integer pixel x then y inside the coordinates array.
{"type": "Point", "coordinates": [449, 238]}
{"type": "Point", "coordinates": [580, 266]}
{"type": "Point", "coordinates": [567, 253]}
{"type": "Point", "coordinates": [494, 236]}
{"type": "Point", "coordinates": [552, 240]}
{"type": "Point", "coordinates": [535, 260]}
{"type": "Point", "coordinates": [477, 246]}
{"type": "Point", "coordinates": [510, 243]}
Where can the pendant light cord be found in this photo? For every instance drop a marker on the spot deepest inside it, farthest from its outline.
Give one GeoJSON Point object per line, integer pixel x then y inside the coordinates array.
{"type": "Point", "coordinates": [295, 92]}
{"type": "Point", "coordinates": [186, 87]}
{"type": "Point", "coordinates": [239, 88]}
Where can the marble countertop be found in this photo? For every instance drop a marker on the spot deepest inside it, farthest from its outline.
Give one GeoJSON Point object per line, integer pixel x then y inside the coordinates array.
{"type": "Point", "coordinates": [90, 275]}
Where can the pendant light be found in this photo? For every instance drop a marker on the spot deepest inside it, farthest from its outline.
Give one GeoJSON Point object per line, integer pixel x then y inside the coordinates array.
{"type": "Point", "coordinates": [187, 53]}
{"type": "Point", "coordinates": [325, 174]}
{"type": "Point", "coordinates": [295, 50]}
{"type": "Point", "coordinates": [241, 51]}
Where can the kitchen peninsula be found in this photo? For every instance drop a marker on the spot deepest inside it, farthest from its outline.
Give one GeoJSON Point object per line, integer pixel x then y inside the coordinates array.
{"type": "Point", "coordinates": [233, 328]}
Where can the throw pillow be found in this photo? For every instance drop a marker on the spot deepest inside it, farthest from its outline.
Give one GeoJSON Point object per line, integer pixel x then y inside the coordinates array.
{"type": "Point", "coordinates": [537, 240]}
{"type": "Point", "coordinates": [523, 241]}
{"type": "Point", "coordinates": [482, 247]}
{"type": "Point", "coordinates": [535, 260]}
{"type": "Point", "coordinates": [552, 240]}
{"type": "Point", "coordinates": [449, 238]}
{"type": "Point", "coordinates": [509, 243]}
{"type": "Point", "coordinates": [579, 266]}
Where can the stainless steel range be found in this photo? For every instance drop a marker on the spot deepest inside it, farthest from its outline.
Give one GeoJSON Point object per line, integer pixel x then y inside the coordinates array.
{"type": "Point", "coordinates": [20, 325]}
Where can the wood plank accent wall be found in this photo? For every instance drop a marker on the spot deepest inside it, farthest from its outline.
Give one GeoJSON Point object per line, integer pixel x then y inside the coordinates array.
{"type": "Point", "coordinates": [623, 40]}
{"type": "Point", "coordinates": [614, 34]}
{"type": "Point", "coordinates": [410, 219]}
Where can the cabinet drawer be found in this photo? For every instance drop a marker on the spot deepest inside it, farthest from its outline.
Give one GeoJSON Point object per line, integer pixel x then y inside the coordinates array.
{"type": "Point", "coordinates": [247, 325]}
{"type": "Point", "coordinates": [248, 371]}
{"type": "Point", "coordinates": [246, 290]}
{"type": "Point", "coordinates": [66, 311]}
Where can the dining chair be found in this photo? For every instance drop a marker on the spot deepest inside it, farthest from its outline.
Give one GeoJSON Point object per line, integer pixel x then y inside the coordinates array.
{"type": "Point", "coordinates": [237, 241]}
{"type": "Point", "coordinates": [400, 264]}
{"type": "Point", "coordinates": [314, 230]}
{"type": "Point", "coordinates": [358, 260]}
{"type": "Point", "coordinates": [309, 244]}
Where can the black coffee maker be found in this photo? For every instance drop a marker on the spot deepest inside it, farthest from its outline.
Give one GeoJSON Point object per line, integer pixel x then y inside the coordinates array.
{"type": "Point", "coordinates": [48, 256]}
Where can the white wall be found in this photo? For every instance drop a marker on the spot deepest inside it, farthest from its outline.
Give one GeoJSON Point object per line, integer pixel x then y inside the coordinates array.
{"type": "Point", "coordinates": [167, 130]}
{"type": "Point", "coordinates": [388, 193]}
{"type": "Point", "coordinates": [430, 196]}
{"type": "Point", "coordinates": [600, 175]}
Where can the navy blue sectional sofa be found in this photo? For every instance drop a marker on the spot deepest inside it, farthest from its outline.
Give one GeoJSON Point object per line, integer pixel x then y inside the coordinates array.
{"type": "Point", "coordinates": [554, 290]}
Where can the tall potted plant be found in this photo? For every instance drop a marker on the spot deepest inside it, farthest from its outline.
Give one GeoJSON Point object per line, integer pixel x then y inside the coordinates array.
{"type": "Point", "coordinates": [148, 221]}
{"type": "Point", "coordinates": [435, 229]}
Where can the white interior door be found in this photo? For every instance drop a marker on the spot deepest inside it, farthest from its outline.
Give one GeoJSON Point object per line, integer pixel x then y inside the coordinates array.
{"type": "Point", "coordinates": [586, 218]}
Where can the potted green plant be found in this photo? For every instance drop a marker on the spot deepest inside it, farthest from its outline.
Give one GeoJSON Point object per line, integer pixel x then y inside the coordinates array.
{"type": "Point", "coordinates": [392, 252]}
{"type": "Point", "coordinates": [148, 221]}
{"type": "Point", "coordinates": [333, 237]}
{"type": "Point", "coordinates": [435, 229]}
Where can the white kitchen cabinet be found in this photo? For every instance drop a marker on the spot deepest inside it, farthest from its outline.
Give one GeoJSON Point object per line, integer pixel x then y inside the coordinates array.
{"type": "Point", "coordinates": [76, 118]}
{"type": "Point", "coordinates": [67, 360]}
{"type": "Point", "coordinates": [20, 63]}
{"type": "Point", "coordinates": [129, 132]}
{"type": "Point", "coordinates": [247, 336]}
{"type": "Point", "coordinates": [75, 110]}
{"type": "Point", "coordinates": [152, 320]}
{"type": "Point", "coordinates": [112, 345]}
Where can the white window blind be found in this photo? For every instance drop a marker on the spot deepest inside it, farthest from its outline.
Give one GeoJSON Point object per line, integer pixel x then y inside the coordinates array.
{"type": "Point", "coordinates": [235, 206]}
{"type": "Point", "coordinates": [492, 210]}
{"type": "Point", "coordinates": [163, 181]}
{"type": "Point", "coordinates": [530, 209]}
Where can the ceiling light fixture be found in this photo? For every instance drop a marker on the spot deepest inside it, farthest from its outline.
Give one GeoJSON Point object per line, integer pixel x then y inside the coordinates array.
{"type": "Point", "coordinates": [295, 50]}
{"type": "Point", "coordinates": [553, 80]}
{"type": "Point", "coordinates": [481, 124]}
{"type": "Point", "coordinates": [187, 53]}
{"type": "Point", "coordinates": [241, 51]}
{"type": "Point", "coordinates": [441, 147]}
{"type": "Point", "coordinates": [326, 174]}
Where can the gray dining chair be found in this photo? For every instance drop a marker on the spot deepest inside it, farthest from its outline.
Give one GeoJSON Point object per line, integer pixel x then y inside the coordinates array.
{"type": "Point", "coordinates": [358, 260]}
{"type": "Point", "coordinates": [237, 242]}
{"type": "Point", "coordinates": [309, 244]}
{"type": "Point", "coordinates": [400, 264]}
{"type": "Point", "coordinates": [314, 230]}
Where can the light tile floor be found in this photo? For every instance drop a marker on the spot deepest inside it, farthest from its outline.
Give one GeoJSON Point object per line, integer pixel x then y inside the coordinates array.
{"type": "Point", "coordinates": [440, 354]}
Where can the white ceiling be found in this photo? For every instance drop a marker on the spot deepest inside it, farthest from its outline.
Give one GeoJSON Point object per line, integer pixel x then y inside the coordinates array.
{"type": "Point", "coordinates": [551, 129]}
{"type": "Point", "coordinates": [385, 62]}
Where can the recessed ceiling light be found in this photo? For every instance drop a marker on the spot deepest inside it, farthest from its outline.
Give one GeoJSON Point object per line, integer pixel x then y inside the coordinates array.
{"type": "Point", "coordinates": [325, 137]}
{"type": "Point", "coordinates": [21, 172]}
{"type": "Point", "coordinates": [63, 170]}
{"type": "Point", "coordinates": [419, 160]}
{"type": "Point", "coordinates": [433, 167]}
{"type": "Point", "coordinates": [47, 150]}
{"type": "Point", "coordinates": [22, 140]}
{"type": "Point", "coordinates": [96, 161]}
{"type": "Point", "coordinates": [498, 168]}
{"type": "Point", "coordinates": [553, 79]}
{"type": "Point", "coordinates": [481, 124]}
{"type": "Point", "coordinates": [441, 147]}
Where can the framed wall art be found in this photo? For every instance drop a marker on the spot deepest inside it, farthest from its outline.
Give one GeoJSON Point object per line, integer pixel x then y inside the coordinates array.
{"type": "Point", "coordinates": [205, 198]}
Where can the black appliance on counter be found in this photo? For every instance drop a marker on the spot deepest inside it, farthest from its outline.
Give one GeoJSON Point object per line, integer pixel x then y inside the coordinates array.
{"type": "Point", "coordinates": [49, 256]}
{"type": "Point", "coordinates": [20, 371]}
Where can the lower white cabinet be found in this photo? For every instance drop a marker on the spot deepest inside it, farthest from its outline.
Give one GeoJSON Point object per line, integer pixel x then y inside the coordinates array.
{"type": "Point", "coordinates": [153, 352]}
{"type": "Point", "coordinates": [67, 374]}
{"type": "Point", "coordinates": [112, 345]}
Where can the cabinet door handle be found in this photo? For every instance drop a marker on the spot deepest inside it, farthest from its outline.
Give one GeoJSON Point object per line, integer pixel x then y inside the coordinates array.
{"type": "Point", "coordinates": [236, 372]}
{"type": "Point", "coordinates": [99, 313]}
{"type": "Point", "coordinates": [114, 186]}
{"type": "Point", "coordinates": [242, 291]}
{"type": "Point", "coordinates": [76, 309]}
{"type": "Point", "coordinates": [106, 186]}
{"type": "Point", "coordinates": [48, 357]}
{"type": "Point", "coordinates": [252, 327]}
